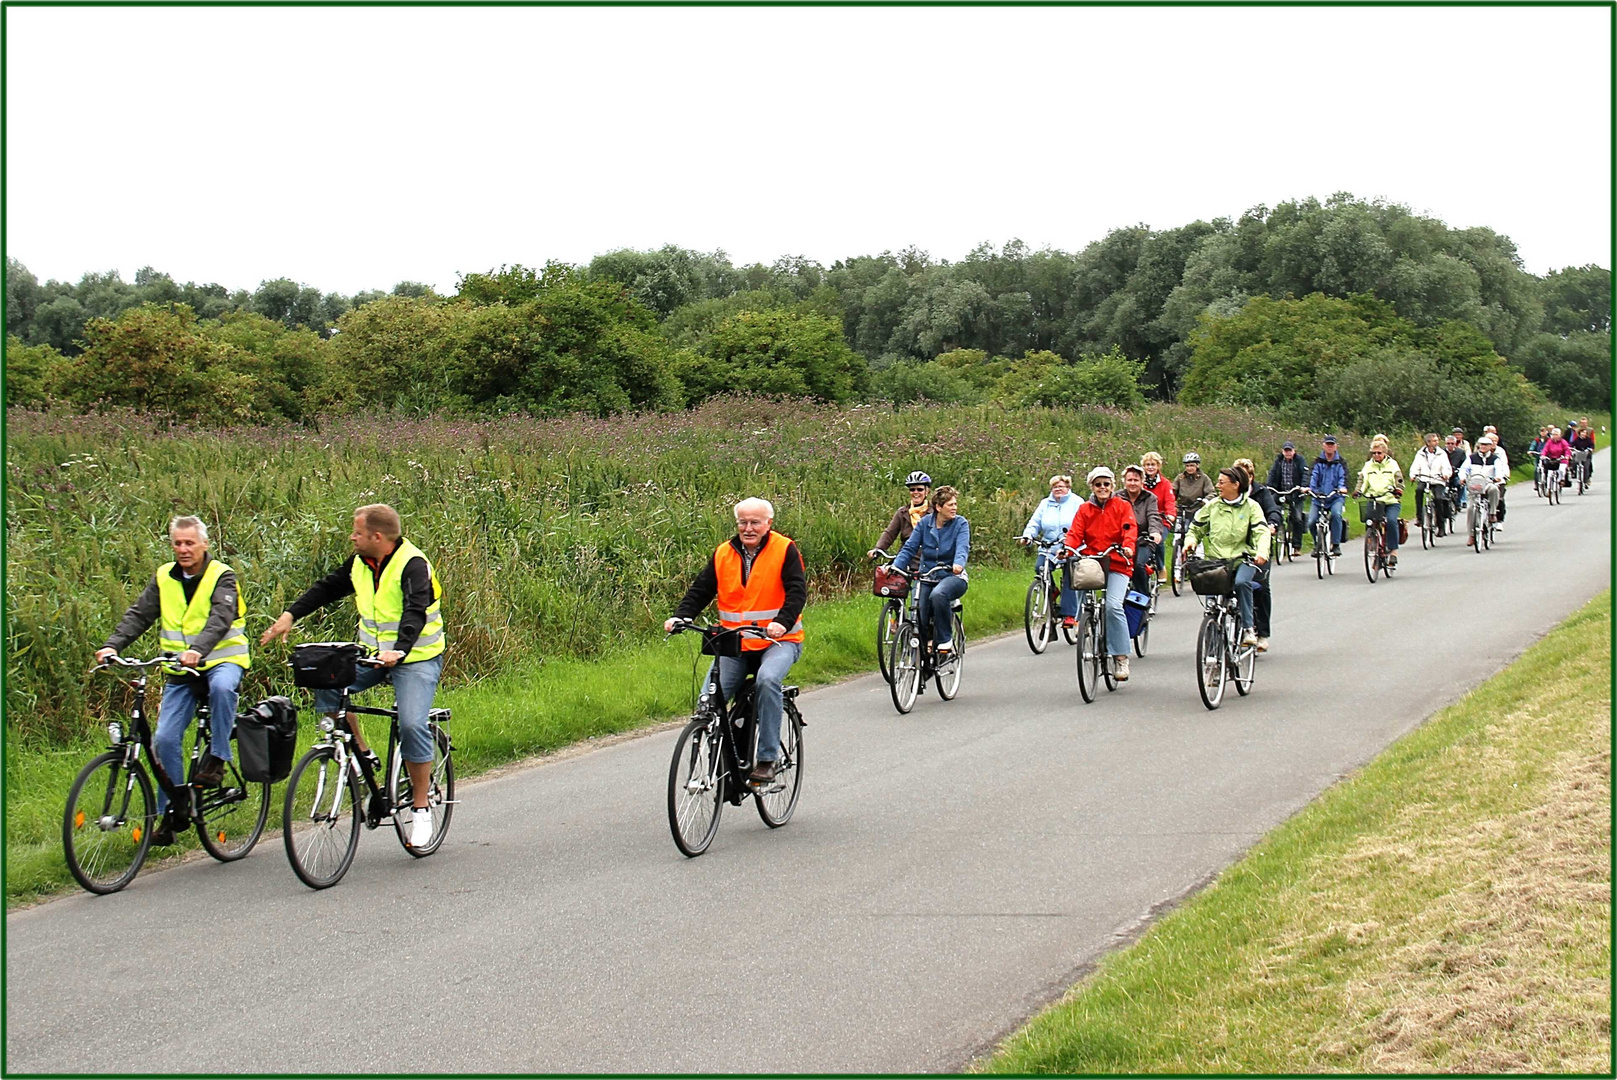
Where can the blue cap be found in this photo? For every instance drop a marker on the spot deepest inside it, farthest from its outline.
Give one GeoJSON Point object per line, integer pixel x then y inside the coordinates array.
{"type": "Point", "coordinates": [1329, 439]}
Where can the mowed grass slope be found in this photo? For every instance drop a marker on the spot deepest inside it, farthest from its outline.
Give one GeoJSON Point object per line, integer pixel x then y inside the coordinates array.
{"type": "Point", "coordinates": [1447, 908]}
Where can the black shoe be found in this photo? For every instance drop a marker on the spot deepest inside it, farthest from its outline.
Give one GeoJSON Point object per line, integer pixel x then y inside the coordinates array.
{"type": "Point", "coordinates": [763, 772]}
{"type": "Point", "coordinates": [211, 772]}
{"type": "Point", "coordinates": [163, 835]}
{"type": "Point", "coordinates": [1336, 551]}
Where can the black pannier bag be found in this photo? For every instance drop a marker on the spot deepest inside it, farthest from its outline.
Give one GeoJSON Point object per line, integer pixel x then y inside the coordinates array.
{"type": "Point", "coordinates": [1211, 577]}
{"type": "Point", "coordinates": [324, 665]}
{"type": "Point", "coordinates": [267, 740]}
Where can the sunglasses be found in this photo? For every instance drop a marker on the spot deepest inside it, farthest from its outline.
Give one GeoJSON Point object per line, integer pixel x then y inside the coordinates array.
{"type": "Point", "coordinates": [1101, 484]}
{"type": "Point", "coordinates": [913, 490]}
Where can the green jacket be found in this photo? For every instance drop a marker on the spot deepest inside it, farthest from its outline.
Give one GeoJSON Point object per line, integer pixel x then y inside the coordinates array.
{"type": "Point", "coordinates": [1229, 532]}
{"type": "Point", "coordinates": [1378, 478]}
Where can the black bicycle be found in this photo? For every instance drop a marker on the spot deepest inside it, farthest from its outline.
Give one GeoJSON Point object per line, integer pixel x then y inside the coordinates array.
{"type": "Point", "coordinates": [1095, 663]}
{"type": "Point", "coordinates": [1181, 534]}
{"type": "Point", "coordinates": [1291, 522]}
{"type": "Point", "coordinates": [1221, 657]}
{"type": "Point", "coordinates": [1041, 611]}
{"type": "Point", "coordinates": [107, 825]}
{"type": "Point", "coordinates": [1432, 516]}
{"type": "Point", "coordinates": [1582, 468]}
{"type": "Point", "coordinates": [715, 751]}
{"type": "Point", "coordinates": [914, 657]}
{"type": "Point", "coordinates": [335, 787]}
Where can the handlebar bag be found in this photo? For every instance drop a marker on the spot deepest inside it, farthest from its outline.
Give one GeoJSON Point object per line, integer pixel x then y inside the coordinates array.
{"type": "Point", "coordinates": [890, 583]}
{"type": "Point", "coordinates": [1088, 573]}
{"type": "Point", "coordinates": [267, 740]}
{"type": "Point", "coordinates": [1211, 577]}
{"type": "Point", "coordinates": [324, 665]}
{"type": "Point", "coordinates": [723, 643]}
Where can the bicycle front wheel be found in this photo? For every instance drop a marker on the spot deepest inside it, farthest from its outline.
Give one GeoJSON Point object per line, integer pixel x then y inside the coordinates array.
{"type": "Point", "coordinates": [320, 818]}
{"type": "Point", "coordinates": [1087, 651]}
{"type": "Point", "coordinates": [779, 799]}
{"type": "Point", "coordinates": [1428, 526]}
{"type": "Point", "coordinates": [906, 666]}
{"type": "Point", "coordinates": [1370, 549]}
{"type": "Point", "coordinates": [696, 787]}
{"type": "Point", "coordinates": [948, 671]}
{"type": "Point", "coordinates": [107, 825]}
{"type": "Point", "coordinates": [440, 795]}
{"type": "Point", "coordinates": [1176, 577]}
{"type": "Point", "coordinates": [1036, 615]}
{"type": "Point", "coordinates": [1210, 671]}
{"type": "Point", "coordinates": [886, 630]}
{"type": "Point", "coordinates": [231, 817]}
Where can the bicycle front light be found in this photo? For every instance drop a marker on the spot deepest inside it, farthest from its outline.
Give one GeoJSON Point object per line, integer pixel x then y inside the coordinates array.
{"type": "Point", "coordinates": [327, 724]}
{"type": "Point", "coordinates": [116, 730]}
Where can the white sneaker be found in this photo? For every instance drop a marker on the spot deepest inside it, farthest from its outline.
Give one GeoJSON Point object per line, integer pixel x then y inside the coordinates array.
{"type": "Point", "coordinates": [1249, 637]}
{"type": "Point", "coordinates": [1120, 668]}
{"type": "Point", "coordinates": [421, 827]}
{"type": "Point", "coordinates": [945, 648]}
{"type": "Point", "coordinates": [1263, 644]}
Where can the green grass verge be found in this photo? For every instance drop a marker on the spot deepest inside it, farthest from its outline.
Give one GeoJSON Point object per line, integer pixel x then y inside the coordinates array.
{"type": "Point", "coordinates": [529, 710]}
{"type": "Point", "coordinates": [1447, 908]}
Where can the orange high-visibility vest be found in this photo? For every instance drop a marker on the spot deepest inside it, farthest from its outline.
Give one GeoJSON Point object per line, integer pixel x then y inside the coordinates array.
{"type": "Point", "coordinates": [758, 601]}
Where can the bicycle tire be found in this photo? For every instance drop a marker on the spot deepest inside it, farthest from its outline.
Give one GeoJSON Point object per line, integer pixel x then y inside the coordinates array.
{"type": "Point", "coordinates": [1246, 669]}
{"type": "Point", "coordinates": [105, 845]}
{"type": "Point", "coordinates": [1176, 578]}
{"type": "Point", "coordinates": [230, 818]}
{"type": "Point", "coordinates": [1144, 636]}
{"type": "Point", "coordinates": [696, 781]}
{"type": "Point", "coordinates": [887, 621]}
{"type": "Point", "coordinates": [1428, 526]}
{"type": "Point", "coordinates": [1088, 674]}
{"type": "Point", "coordinates": [947, 673]}
{"type": "Point", "coordinates": [320, 817]}
{"type": "Point", "coordinates": [1103, 649]}
{"type": "Point", "coordinates": [1036, 616]}
{"type": "Point", "coordinates": [1370, 553]}
{"type": "Point", "coordinates": [1210, 671]}
{"type": "Point", "coordinates": [906, 665]}
{"type": "Point", "coordinates": [440, 795]}
{"type": "Point", "coordinates": [777, 802]}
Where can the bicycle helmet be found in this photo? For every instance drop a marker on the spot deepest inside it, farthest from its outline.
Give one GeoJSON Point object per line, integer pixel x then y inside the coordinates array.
{"type": "Point", "coordinates": [1098, 472]}
{"type": "Point", "coordinates": [917, 477]}
{"type": "Point", "coordinates": [1191, 458]}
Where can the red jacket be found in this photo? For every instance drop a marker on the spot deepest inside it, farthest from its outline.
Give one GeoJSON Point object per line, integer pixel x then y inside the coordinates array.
{"type": "Point", "coordinates": [1165, 504]}
{"type": "Point", "coordinates": [1099, 527]}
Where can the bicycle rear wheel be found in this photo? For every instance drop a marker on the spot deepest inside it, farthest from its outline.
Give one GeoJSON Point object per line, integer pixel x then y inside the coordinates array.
{"type": "Point", "coordinates": [440, 795]}
{"type": "Point", "coordinates": [1103, 653]}
{"type": "Point", "coordinates": [886, 628]}
{"type": "Point", "coordinates": [230, 817]}
{"type": "Point", "coordinates": [107, 824]}
{"type": "Point", "coordinates": [320, 818]}
{"type": "Point", "coordinates": [696, 787]}
{"type": "Point", "coordinates": [1036, 615]}
{"type": "Point", "coordinates": [1143, 638]}
{"type": "Point", "coordinates": [1088, 647]}
{"type": "Point", "coordinates": [777, 801]}
{"type": "Point", "coordinates": [1210, 671]}
{"type": "Point", "coordinates": [947, 673]}
{"type": "Point", "coordinates": [905, 663]}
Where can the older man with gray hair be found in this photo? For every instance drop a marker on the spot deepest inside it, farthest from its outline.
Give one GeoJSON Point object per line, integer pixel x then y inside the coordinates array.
{"type": "Point", "coordinates": [203, 620]}
{"type": "Point", "coordinates": [757, 578]}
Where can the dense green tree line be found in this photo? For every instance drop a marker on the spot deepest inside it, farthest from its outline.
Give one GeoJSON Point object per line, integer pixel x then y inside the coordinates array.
{"type": "Point", "coordinates": [1130, 313]}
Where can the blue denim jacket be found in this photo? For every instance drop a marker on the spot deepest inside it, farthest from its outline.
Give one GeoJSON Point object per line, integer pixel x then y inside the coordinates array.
{"type": "Point", "coordinates": [948, 545]}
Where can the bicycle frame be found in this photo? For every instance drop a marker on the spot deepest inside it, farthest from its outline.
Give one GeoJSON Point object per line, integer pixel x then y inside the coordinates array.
{"type": "Point", "coordinates": [338, 733]}
{"type": "Point", "coordinates": [137, 738]}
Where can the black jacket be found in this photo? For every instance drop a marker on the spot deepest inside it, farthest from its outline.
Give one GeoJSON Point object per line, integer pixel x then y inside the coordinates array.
{"type": "Point", "coordinates": [1268, 503]}
{"type": "Point", "coordinates": [1284, 475]}
{"type": "Point", "coordinates": [415, 582]}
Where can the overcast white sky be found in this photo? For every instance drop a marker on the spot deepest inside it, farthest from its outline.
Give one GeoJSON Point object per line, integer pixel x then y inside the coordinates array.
{"type": "Point", "coordinates": [354, 148]}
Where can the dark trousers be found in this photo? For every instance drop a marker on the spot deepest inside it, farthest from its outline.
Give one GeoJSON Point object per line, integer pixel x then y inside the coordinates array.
{"type": "Point", "coordinates": [1145, 561]}
{"type": "Point", "coordinates": [1441, 493]}
{"type": "Point", "coordinates": [1263, 601]}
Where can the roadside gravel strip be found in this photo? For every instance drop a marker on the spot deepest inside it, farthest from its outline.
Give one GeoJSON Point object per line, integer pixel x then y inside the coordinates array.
{"type": "Point", "coordinates": [947, 873]}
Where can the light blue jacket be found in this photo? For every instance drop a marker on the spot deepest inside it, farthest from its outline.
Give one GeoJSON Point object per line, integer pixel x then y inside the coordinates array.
{"type": "Point", "coordinates": [947, 545]}
{"type": "Point", "coordinates": [1053, 518]}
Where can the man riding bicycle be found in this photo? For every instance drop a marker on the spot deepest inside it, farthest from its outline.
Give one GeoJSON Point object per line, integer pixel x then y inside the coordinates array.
{"type": "Point", "coordinates": [1327, 483]}
{"type": "Point", "coordinates": [1288, 473]}
{"type": "Point", "coordinates": [397, 595]}
{"type": "Point", "coordinates": [198, 606]}
{"type": "Point", "coordinates": [756, 575]}
{"type": "Point", "coordinates": [1048, 524]}
{"type": "Point", "coordinates": [1485, 461]}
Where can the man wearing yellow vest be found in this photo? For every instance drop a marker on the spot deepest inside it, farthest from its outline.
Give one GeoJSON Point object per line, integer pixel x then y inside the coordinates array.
{"type": "Point", "coordinates": [202, 618]}
{"type": "Point", "coordinates": [757, 578]}
{"type": "Point", "coordinates": [397, 594]}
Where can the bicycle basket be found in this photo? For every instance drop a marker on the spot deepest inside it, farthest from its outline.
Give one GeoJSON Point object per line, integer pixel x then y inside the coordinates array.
{"type": "Point", "coordinates": [324, 665]}
{"type": "Point", "coordinates": [1368, 512]}
{"type": "Point", "coordinates": [890, 583]}
{"type": "Point", "coordinates": [1088, 574]}
{"type": "Point", "coordinates": [1210, 577]}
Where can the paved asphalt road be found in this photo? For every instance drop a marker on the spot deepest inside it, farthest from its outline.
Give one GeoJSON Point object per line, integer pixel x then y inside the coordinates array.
{"type": "Point", "coordinates": [947, 872]}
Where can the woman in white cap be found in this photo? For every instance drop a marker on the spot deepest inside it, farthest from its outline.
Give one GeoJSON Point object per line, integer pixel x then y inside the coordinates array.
{"type": "Point", "coordinates": [1102, 522]}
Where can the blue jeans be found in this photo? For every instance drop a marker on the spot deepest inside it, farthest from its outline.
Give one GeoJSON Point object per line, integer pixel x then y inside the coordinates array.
{"type": "Point", "coordinates": [775, 662]}
{"type": "Point", "coordinates": [174, 717]}
{"type": "Point", "coordinates": [1387, 513]}
{"type": "Point", "coordinates": [414, 685]}
{"type": "Point", "coordinates": [1145, 562]}
{"type": "Point", "coordinates": [1338, 527]}
{"type": "Point", "coordinates": [939, 600]}
{"type": "Point", "coordinates": [1069, 599]}
{"type": "Point", "coordinates": [1246, 583]}
{"type": "Point", "coordinates": [1117, 623]}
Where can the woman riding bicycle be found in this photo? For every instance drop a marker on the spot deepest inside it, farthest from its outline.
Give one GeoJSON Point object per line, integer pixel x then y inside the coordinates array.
{"type": "Point", "coordinates": [904, 519]}
{"type": "Point", "coordinates": [1556, 453]}
{"type": "Point", "coordinates": [1192, 484]}
{"type": "Point", "coordinates": [1148, 522]}
{"type": "Point", "coordinates": [1382, 482]}
{"type": "Point", "coordinates": [941, 539]}
{"type": "Point", "coordinates": [1102, 522]}
{"type": "Point", "coordinates": [1048, 524]}
{"type": "Point", "coordinates": [1232, 526]}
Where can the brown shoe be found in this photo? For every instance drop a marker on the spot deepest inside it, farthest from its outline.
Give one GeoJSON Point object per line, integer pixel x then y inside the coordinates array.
{"type": "Point", "coordinates": [211, 772]}
{"type": "Point", "coordinates": [763, 772]}
{"type": "Point", "coordinates": [1471, 540]}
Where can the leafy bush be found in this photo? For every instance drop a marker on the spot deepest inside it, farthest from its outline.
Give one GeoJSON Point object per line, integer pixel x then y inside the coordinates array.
{"type": "Point", "coordinates": [778, 352]}
{"type": "Point", "coordinates": [1111, 380]}
{"type": "Point", "coordinates": [907, 383]}
{"type": "Point", "coordinates": [1574, 369]}
{"type": "Point", "coordinates": [29, 368]}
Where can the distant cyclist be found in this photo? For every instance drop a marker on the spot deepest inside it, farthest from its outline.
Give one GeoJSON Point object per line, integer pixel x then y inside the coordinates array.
{"type": "Point", "coordinates": [941, 539]}
{"type": "Point", "coordinates": [1431, 468]}
{"type": "Point", "coordinates": [1048, 524]}
{"type": "Point", "coordinates": [1290, 471]}
{"type": "Point", "coordinates": [1192, 484]}
{"type": "Point", "coordinates": [904, 519]}
{"type": "Point", "coordinates": [1556, 454]}
{"type": "Point", "coordinates": [1583, 450]}
{"type": "Point", "coordinates": [1483, 460]}
{"type": "Point", "coordinates": [1327, 483]}
{"type": "Point", "coordinates": [1381, 481]}
{"type": "Point", "coordinates": [1147, 520]}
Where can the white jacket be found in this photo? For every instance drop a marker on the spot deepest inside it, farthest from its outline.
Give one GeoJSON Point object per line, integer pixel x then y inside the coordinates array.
{"type": "Point", "coordinates": [1496, 471]}
{"type": "Point", "coordinates": [1431, 465]}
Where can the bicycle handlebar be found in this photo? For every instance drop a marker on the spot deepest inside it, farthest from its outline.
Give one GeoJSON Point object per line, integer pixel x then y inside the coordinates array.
{"type": "Point", "coordinates": [715, 629]}
{"type": "Point", "coordinates": [121, 661]}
